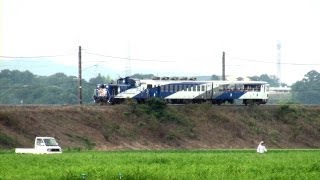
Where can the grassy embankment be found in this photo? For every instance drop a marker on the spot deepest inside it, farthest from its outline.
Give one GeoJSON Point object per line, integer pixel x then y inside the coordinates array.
{"type": "Point", "coordinates": [157, 126]}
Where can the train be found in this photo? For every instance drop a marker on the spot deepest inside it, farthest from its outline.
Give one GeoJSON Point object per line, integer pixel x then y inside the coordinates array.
{"type": "Point", "coordinates": [183, 90]}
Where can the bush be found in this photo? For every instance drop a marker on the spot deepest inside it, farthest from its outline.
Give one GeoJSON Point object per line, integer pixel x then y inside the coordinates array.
{"type": "Point", "coordinates": [156, 104]}
{"type": "Point", "coordinates": [7, 121]}
{"type": "Point", "coordinates": [288, 113]}
{"type": "Point", "coordinates": [7, 141]}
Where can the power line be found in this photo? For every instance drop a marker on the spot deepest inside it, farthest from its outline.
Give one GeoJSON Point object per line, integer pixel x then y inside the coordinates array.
{"type": "Point", "coordinates": [270, 62]}
{"type": "Point", "coordinates": [126, 58]}
{"type": "Point", "coordinates": [36, 57]}
{"type": "Point", "coordinates": [242, 59]}
{"type": "Point", "coordinates": [86, 68]}
{"type": "Point", "coordinates": [146, 60]}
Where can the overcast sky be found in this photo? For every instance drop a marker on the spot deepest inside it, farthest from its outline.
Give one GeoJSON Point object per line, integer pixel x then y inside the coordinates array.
{"type": "Point", "coordinates": [181, 38]}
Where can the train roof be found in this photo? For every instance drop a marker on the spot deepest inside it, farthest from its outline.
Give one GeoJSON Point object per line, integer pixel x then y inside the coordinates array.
{"type": "Point", "coordinates": [195, 81]}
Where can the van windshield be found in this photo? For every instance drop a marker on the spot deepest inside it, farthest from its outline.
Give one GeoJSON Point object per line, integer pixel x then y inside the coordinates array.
{"type": "Point", "coordinates": [50, 142]}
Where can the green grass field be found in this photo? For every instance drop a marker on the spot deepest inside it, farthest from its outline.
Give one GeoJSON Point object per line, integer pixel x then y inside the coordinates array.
{"type": "Point", "coordinates": [202, 164]}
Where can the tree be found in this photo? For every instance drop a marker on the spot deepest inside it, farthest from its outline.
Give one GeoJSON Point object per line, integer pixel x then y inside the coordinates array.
{"type": "Point", "coordinates": [215, 77]}
{"type": "Point", "coordinates": [272, 80]}
{"type": "Point", "coordinates": [312, 76]}
{"type": "Point", "coordinates": [306, 91]}
{"type": "Point", "coordinates": [239, 78]}
{"type": "Point", "coordinates": [143, 76]}
{"type": "Point", "coordinates": [100, 80]}
{"type": "Point", "coordinates": [254, 78]}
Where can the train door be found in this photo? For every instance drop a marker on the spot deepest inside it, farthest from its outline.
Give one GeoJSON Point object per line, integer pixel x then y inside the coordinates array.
{"type": "Point", "coordinates": [158, 91]}
{"type": "Point", "coordinates": [211, 94]}
{"type": "Point", "coordinates": [208, 91]}
{"type": "Point", "coordinates": [114, 90]}
{"type": "Point", "coordinates": [148, 90]}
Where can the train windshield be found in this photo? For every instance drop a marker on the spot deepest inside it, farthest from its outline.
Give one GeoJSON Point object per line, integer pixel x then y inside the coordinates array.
{"type": "Point", "coordinates": [252, 87]}
{"type": "Point", "coordinates": [121, 81]}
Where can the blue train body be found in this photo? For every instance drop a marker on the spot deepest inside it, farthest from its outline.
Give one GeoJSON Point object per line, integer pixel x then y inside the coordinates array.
{"type": "Point", "coordinates": [179, 91]}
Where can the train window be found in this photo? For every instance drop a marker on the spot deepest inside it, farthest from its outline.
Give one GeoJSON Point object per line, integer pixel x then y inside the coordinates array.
{"type": "Point", "coordinates": [202, 88]}
{"type": "Point", "coordinates": [170, 88]}
{"type": "Point", "coordinates": [173, 88]}
{"type": "Point", "coordinates": [247, 87]}
{"type": "Point", "coordinates": [198, 88]}
{"type": "Point", "coordinates": [194, 88]}
{"type": "Point", "coordinates": [177, 87]}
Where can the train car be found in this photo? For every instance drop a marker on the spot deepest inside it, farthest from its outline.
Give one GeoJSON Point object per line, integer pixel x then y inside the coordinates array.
{"type": "Point", "coordinates": [176, 90]}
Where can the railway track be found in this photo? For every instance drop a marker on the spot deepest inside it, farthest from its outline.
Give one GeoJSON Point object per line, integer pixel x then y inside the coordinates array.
{"type": "Point", "coordinates": [96, 105]}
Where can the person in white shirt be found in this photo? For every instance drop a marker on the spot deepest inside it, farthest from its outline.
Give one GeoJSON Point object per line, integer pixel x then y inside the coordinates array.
{"type": "Point", "coordinates": [261, 148]}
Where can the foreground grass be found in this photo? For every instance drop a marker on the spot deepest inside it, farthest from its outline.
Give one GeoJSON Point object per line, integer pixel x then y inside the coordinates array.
{"type": "Point", "coordinates": [276, 164]}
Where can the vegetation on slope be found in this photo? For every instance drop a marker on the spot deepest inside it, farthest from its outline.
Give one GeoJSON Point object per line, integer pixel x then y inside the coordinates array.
{"type": "Point", "coordinates": [157, 126]}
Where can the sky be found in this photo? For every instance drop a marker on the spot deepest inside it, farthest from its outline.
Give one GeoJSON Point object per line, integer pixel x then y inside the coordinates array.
{"type": "Point", "coordinates": [165, 38]}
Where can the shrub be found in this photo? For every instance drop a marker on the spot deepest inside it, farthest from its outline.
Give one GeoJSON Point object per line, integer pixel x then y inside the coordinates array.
{"type": "Point", "coordinates": [7, 141]}
{"type": "Point", "coordinates": [288, 113]}
{"type": "Point", "coordinates": [7, 121]}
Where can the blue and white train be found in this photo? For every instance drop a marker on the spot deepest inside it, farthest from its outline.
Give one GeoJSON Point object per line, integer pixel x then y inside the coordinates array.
{"type": "Point", "coordinates": [182, 90]}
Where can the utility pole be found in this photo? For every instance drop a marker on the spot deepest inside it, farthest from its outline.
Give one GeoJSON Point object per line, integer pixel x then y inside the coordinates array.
{"type": "Point", "coordinates": [279, 62]}
{"type": "Point", "coordinates": [128, 64]}
{"type": "Point", "coordinates": [223, 66]}
{"type": "Point", "coordinates": [80, 77]}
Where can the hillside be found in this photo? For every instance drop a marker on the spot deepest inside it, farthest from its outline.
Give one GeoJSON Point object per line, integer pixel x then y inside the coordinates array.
{"type": "Point", "coordinates": [157, 126]}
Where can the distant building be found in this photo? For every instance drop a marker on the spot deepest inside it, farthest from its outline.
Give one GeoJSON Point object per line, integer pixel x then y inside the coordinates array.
{"type": "Point", "coordinates": [279, 90]}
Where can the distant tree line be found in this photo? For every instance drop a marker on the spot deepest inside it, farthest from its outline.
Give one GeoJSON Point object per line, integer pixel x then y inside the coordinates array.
{"type": "Point", "coordinates": [18, 87]}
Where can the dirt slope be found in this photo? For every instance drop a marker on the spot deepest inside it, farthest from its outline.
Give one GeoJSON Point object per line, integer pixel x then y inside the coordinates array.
{"type": "Point", "coordinates": [142, 127]}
